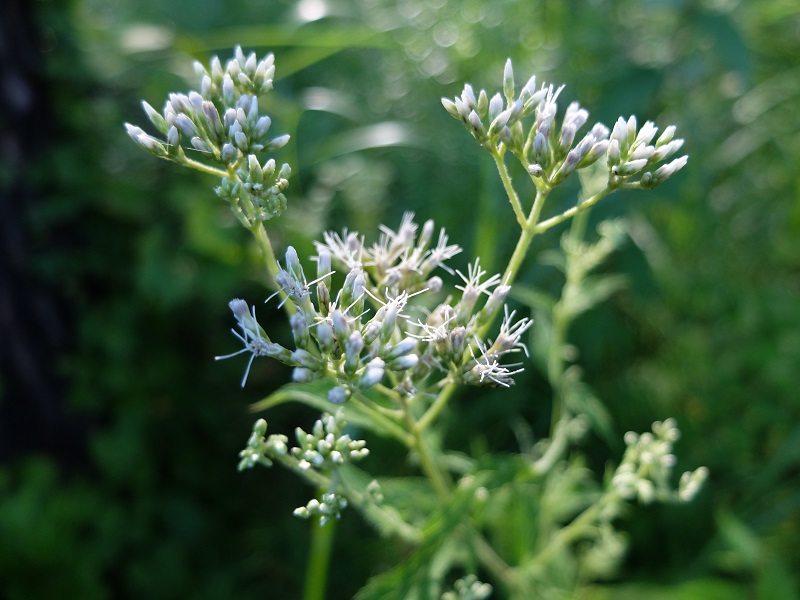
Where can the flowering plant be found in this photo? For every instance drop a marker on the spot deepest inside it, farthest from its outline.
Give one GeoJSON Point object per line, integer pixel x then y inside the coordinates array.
{"type": "Point", "coordinates": [387, 333]}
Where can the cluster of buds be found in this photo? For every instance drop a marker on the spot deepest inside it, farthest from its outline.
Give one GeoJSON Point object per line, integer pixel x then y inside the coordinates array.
{"type": "Point", "coordinates": [550, 153]}
{"type": "Point", "coordinates": [326, 445]}
{"type": "Point", "coordinates": [329, 505]}
{"type": "Point", "coordinates": [468, 588]}
{"type": "Point", "coordinates": [364, 334]}
{"type": "Point", "coordinates": [646, 467]}
{"type": "Point", "coordinates": [630, 153]}
{"type": "Point", "coordinates": [222, 123]}
{"type": "Point", "coordinates": [323, 450]}
{"type": "Point", "coordinates": [261, 450]}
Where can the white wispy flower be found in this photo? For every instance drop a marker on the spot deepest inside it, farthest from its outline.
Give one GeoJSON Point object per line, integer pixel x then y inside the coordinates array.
{"type": "Point", "coordinates": [254, 340]}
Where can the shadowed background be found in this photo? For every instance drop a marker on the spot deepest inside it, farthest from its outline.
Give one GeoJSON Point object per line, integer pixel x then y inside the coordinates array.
{"type": "Point", "coordinates": [119, 434]}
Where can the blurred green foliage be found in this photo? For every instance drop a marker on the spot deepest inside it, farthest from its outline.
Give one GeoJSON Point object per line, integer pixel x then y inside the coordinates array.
{"type": "Point", "coordinates": [707, 329]}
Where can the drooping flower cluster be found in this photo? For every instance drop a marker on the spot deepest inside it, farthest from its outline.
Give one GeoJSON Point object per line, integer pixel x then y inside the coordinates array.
{"type": "Point", "coordinates": [222, 124]}
{"type": "Point", "coordinates": [368, 332]}
{"type": "Point", "coordinates": [550, 153]}
{"type": "Point", "coordinates": [647, 466]}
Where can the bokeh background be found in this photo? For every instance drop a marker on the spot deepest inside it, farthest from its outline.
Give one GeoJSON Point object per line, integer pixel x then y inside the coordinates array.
{"type": "Point", "coordinates": [119, 434]}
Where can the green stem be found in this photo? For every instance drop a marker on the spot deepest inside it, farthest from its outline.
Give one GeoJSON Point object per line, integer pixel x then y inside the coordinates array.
{"type": "Point", "coordinates": [262, 238]}
{"type": "Point", "coordinates": [509, 187]}
{"type": "Point", "coordinates": [577, 528]}
{"type": "Point", "coordinates": [319, 559]}
{"type": "Point", "coordinates": [437, 407]}
{"type": "Point", "coordinates": [571, 212]}
{"type": "Point", "coordinates": [491, 560]}
{"type": "Point", "coordinates": [203, 168]}
{"type": "Point", "coordinates": [260, 233]}
{"type": "Point", "coordinates": [438, 478]}
{"type": "Point", "coordinates": [386, 422]}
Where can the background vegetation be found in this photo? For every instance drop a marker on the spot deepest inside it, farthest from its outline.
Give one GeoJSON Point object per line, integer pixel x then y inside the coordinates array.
{"type": "Point", "coordinates": [118, 433]}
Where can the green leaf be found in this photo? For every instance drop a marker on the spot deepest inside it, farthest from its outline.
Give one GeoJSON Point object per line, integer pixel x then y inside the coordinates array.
{"type": "Point", "coordinates": [581, 400]}
{"type": "Point", "coordinates": [698, 589]}
{"type": "Point", "coordinates": [419, 577]}
{"type": "Point", "coordinates": [592, 291]}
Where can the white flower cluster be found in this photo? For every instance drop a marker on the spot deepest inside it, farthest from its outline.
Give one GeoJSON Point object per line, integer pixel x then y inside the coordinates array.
{"type": "Point", "coordinates": [647, 465]}
{"type": "Point", "coordinates": [550, 153]}
{"type": "Point", "coordinates": [222, 123]}
{"type": "Point", "coordinates": [365, 334]}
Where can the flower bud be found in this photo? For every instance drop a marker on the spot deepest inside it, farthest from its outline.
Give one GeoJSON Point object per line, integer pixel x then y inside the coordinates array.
{"type": "Point", "coordinates": [373, 374]}
{"type": "Point", "coordinates": [353, 348]}
{"type": "Point", "coordinates": [338, 395]}
{"type": "Point", "coordinates": [155, 118]}
{"type": "Point", "coordinates": [325, 337]}
{"type": "Point", "coordinates": [299, 330]}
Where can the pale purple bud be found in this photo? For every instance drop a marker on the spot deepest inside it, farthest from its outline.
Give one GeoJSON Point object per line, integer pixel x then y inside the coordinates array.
{"type": "Point", "coordinates": [373, 374]}
{"type": "Point", "coordinates": [187, 127]}
{"type": "Point", "coordinates": [664, 151]}
{"type": "Point", "coordinates": [338, 395]}
{"type": "Point", "coordinates": [325, 337]}
{"type": "Point", "coordinates": [262, 126]}
{"type": "Point", "coordinates": [323, 263]}
{"type": "Point", "coordinates": [213, 121]}
{"type": "Point", "coordinates": [230, 118]}
{"type": "Point", "coordinates": [200, 145]}
{"type": "Point", "coordinates": [173, 139]}
{"type": "Point", "coordinates": [299, 330]}
{"type": "Point", "coordinates": [539, 148]}
{"type": "Point", "coordinates": [228, 90]}
{"type": "Point", "coordinates": [613, 152]}
{"type": "Point", "coordinates": [475, 123]}
{"type": "Point", "coordinates": [229, 152]}
{"type": "Point", "coordinates": [389, 321]}
{"type": "Point", "coordinates": [666, 136]}
{"type": "Point", "coordinates": [642, 152]}
{"type": "Point", "coordinates": [434, 284]}
{"type": "Point", "coordinates": [630, 167]}
{"type": "Point", "coordinates": [620, 133]}
{"type": "Point", "coordinates": [155, 118]}
{"type": "Point", "coordinates": [450, 107]}
{"type": "Point", "coordinates": [495, 106]}
{"type": "Point", "coordinates": [278, 142]}
{"type": "Point", "coordinates": [250, 64]}
{"type": "Point", "coordinates": [405, 346]}
{"type": "Point", "coordinates": [407, 361]}
{"type": "Point", "coordinates": [302, 375]}
{"type": "Point", "coordinates": [599, 131]}
{"type": "Point", "coordinates": [483, 102]}
{"type": "Point", "coordinates": [508, 81]}
{"type": "Point", "coordinates": [206, 85]}
{"type": "Point", "coordinates": [666, 171]}
{"type": "Point", "coordinates": [293, 264]}
{"type": "Point", "coordinates": [340, 325]}
{"type": "Point", "coordinates": [594, 153]}
{"type": "Point", "coordinates": [568, 132]}
{"type": "Point", "coordinates": [535, 170]}
{"type": "Point", "coordinates": [305, 359]}
{"type": "Point", "coordinates": [646, 133]}
{"type": "Point", "coordinates": [468, 97]}
{"type": "Point", "coordinates": [196, 100]}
